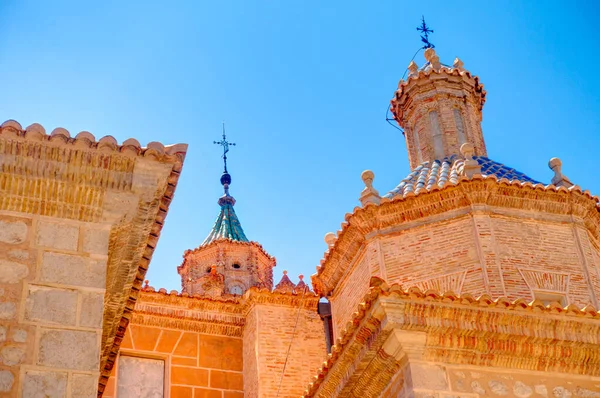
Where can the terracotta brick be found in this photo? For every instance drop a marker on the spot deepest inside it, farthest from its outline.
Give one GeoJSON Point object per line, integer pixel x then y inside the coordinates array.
{"type": "Point", "coordinates": [187, 346]}
{"type": "Point", "coordinates": [184, 361]}
{"type": "Point", "coordinates": [109, 390]}
{"type": "Point", "coordinates": [182, 392]}
{"type": "Point", "coordinates": [144, 338]}
{"type": "Point", "coordinates": [226, 380]}
{"type": "Point", "coordinates": [233, 394]}
{"type": "Point", "coordinates": [221, 353]}
{"type": "Point", "coordinates": [205, 393]}
{"type": "Point", "coordinates": [126, 343]}
{"type": "Point", "coordinates": [167, 340]}
{"type": "Point", "coordinates": [189, 376]}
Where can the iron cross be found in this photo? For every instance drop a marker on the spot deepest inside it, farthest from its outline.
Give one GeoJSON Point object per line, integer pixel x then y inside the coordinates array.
{"type": "Point", "coordinates": [225, 144]}
{"type": "Point", "coordinates": [424, 29]}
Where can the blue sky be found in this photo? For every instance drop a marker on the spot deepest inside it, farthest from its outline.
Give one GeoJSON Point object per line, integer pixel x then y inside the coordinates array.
{"type": "Point", "coordinates": [303, 87]}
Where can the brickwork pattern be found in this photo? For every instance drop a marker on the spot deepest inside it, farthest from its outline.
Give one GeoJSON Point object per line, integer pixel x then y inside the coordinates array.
{"type": "Point", "coordinates": [197, 365]}
{"type": "Point", "coordinates": [267, 346]}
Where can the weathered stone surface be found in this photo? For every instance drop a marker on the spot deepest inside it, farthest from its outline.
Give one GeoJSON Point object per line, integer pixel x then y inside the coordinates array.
{"type": "Point", "coordinates": [95, 241]}
{"type": "Point", "coordinates": [498, 387]}
{"type": "Point", "coordinates": [12, 355]}
{"type": "Point", "coordinates": [45, 384]}
{"type": "Point", "coordinates": [49, 304]}
{"type": "Point", "coordinates": [69, 349]}
{"type": "Point", "coordinates": [428, 376]}
{"type": "Point", "coordinates": [19, 335]}
{"type": "Point", "coordinates": [84, 386]}
{"type": "Point", "coordinates": [13, 232]}
{"type": "Point", "coordinates": [73, 270]}
{"type": "Point", "coordinates": [11, 272]}
{"type": "Point", "coordinates": [6, 380]}
{"type": "Point", "coordinates": [57, 235]}
{"type": "Point", "coordinates": [18, 254]}
{"type": "Point", "coordinates": [92, 306]}
{"type": "Point", "coordinates": [8, 310]}
{"type": "Point", "coordinates": [141, 373]}
{"type": "Point", "coordinates": [522, 390]}
{"type": "Point", "coordinates": [2, 333]}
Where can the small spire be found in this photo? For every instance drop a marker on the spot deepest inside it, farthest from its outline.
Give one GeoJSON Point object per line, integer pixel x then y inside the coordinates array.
{"type": "Point", "coordinates": [458, 64]}
{"type": "Point", "coordinates": [559, 179]}
{"type": "Point", "coordinates": [302, 286]}
{"type": "Point", "coordinates": [433, 59]}
{"type": "Point", "coordinates": [413, 69]}
{"type": "Point", "coordinates": [285, 285]}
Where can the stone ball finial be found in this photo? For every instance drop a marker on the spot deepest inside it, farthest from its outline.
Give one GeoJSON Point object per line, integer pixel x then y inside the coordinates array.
{"type": "Point", "coordinates": [555, 164]}
{"type": "Point", "coordinates": [429, 54]}
{"type": "Point", "coordinates": [368, 176]}
{"type": "Point", "coordinates": [284, 272]}
{"type": "Point", "coordinates": [330, 238]}
{"type": "Point", "coordinates": [146, 282]}
{"type": "Point", "coordinates": [559, 179]}
{"type": "Point", "coordinates": [467, 150]}
{"type": "Point", "coordinates": [301, 277]}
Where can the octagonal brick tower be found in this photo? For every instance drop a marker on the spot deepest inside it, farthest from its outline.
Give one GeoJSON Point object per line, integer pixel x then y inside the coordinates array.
{"type": "Point", "coordinates": [226, 263]}
{"type": "Point", "coordinates": [439, 109]}
{"type": "Point", "coordinates": [460, 222]}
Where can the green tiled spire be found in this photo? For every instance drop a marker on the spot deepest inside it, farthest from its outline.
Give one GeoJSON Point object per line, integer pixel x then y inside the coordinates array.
{"type": "Point", "coordinates": [227, 225]}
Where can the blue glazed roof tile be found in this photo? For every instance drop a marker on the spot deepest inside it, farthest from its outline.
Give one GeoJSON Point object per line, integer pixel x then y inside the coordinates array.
{"type": "Point", "coordinates": [441, 172]}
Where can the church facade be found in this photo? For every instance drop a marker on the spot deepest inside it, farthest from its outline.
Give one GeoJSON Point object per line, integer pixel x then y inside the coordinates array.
{"type": "Point", "coordinates": [468, 279]}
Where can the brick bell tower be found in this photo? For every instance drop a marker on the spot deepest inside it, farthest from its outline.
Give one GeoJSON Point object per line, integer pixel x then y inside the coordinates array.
{"type": "Point", "coordinates": [440, 109]}
{"type": "Point", "coordinates": [226, 263]}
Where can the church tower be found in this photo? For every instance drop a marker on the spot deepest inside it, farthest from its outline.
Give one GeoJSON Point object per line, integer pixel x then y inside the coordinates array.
{"type": "Point", "coordinates": [226, 263]}
{"type": "Point", "coordinates": [439, 107]}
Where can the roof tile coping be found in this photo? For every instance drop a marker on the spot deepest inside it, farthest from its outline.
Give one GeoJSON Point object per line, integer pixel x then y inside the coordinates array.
{"type": "Point", "coordinates": [252, 295]}
{"type": "Point", "coordinates": [84, 139]}
{"type": "Point", "coordinates": [335, 238]}
{"type": "Point", "coordinates": [218, 242]}
{"type": "Point", "coordinates": [378, 287]}
{"type": "Point", "coordinates": [444, 71]}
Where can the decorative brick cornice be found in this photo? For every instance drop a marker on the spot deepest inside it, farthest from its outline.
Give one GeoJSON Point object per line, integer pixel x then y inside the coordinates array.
{"type": "Point", "coordinates": [223, 243]}
{"type": "Point", "coordinates": [452, 79]}
{"type": "Point", "coordinates": [541, 337]}
{"type": "Point", "coordinates": [468, 193]}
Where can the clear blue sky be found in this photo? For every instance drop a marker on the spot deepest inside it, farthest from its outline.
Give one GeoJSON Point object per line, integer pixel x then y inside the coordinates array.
{"type": "Point", "coordinates": [303, 87]}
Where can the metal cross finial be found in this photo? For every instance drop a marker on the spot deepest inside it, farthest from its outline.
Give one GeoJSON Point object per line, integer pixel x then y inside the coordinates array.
{"type": "Point", "coordinates": [424, 29]}
{"type": "Point", "coordinates": [225, 144]}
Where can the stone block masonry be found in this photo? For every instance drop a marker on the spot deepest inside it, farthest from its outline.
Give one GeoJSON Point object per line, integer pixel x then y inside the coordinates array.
{"type": "Point", "coordinates": [52, 284]}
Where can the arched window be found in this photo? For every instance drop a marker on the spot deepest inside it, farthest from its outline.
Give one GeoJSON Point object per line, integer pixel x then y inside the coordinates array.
{"type": "Point", "coordinates": [460, 127]}
{"type": "Point", "coordinates": [436, 133]}
{"type": "Point", "coordinates": [236, 289]}
{"type": "Point", "coordinates": [236, 266]}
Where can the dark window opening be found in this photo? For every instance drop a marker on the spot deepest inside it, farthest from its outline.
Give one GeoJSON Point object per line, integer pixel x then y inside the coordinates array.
{"type": "Point", "coordinates": [236, 266]}
{"type": "Point", "coordinates": [325, 313]}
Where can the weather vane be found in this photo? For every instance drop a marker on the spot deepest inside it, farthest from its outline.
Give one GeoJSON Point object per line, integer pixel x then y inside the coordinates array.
{"type": "Point", "coordinates": [424, 29]}
{"type": "Point", "coordinates": [225, 144]}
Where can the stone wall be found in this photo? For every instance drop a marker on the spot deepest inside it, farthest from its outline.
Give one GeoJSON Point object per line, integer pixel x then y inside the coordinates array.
{"type": "Point", "coordinates": [279, 330]}
{"type": "Point", "coordinates": [430, 380]}
{"type": "Point", "coordinates": [52, 284]}
{"type": "Point", "coordinates": [197, 364]}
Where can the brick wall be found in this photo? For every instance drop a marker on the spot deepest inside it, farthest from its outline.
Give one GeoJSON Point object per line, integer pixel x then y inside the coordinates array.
{"type": "Point", "coordinates": [268, 343]}
{"type": "Point", "coordinates": [52, 284]}
{"type": "Point", "coordinates": [511, 256]}
{"type": "Point", "coordinates": [348, 295]}
{"type": "Point", "coordinates": [197, 365]}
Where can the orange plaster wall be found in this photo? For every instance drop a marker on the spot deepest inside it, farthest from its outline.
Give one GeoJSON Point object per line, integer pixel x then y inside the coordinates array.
{"type": "Point", "coordinates": [198, 365]}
